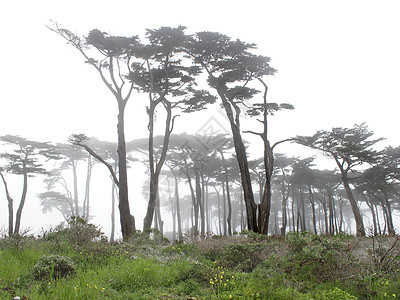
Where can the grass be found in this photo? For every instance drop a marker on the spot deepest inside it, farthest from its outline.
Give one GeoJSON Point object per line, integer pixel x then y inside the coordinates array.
{"type": "Point", "coordinates": [302, 266]}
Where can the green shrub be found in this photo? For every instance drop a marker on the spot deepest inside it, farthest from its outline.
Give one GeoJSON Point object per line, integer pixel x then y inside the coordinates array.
{"type": "Point", "coordinates": [149, 238]}
{"type": "Point", "coordinates": [17, 241]}
{"type": "Point", "coordinates": [314, 258]}
{"type": "Point", "coordinates": [189, 287]}
{"type": "Point", "coordinates": [335, 294]}
{"type": "Point", "coordinates": [244, 256]}
{"type": "Point", "coordinates": [54, 266]}
{"type": "Point", "coordinates": [78, 232]}
{"type": "Point", "coordinates": [196, 272]}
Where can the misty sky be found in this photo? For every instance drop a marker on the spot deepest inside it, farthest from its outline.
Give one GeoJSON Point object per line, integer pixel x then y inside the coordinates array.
{"type": "Point", "coordinates": [338, 63]}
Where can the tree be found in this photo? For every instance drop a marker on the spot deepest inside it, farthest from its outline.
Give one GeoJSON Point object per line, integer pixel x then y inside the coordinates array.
{"type": "Point", "coordinates": [266, 109]}
{"type": "Point", "coordinates": [24, 161]}
{"type": "Point", "coordinates": [378, 185]}
{"type": "Point", "coordinates": [349, 147]}
{"type": "Point", "coordinates": [283, 163]}
{"type": "Point", "coordinates": [169, 83]}
{"type": "Point", "coordinates": [67, 201]}
{"type": "Point", "coordinates": [113, 62]}
{"type": "Point", "coordinates": [230, 67]}
{"type": "Point", "coordinates": [327, 182]}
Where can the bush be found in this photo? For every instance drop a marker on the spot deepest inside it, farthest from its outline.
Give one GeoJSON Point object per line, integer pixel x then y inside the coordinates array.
{"type": "Point", "coordinates": [54, 266]}
{"type": "Point", "coordinates": [149, 238]}
{"type": "Point", "coordinates": [17, 241]}
{"type": "Point", "coordinates": [199, 273]}
{"type": "Point", "coordinates": [78, 232]}
{"type": "Point", "coordinates": [314, 258]}
{"type": "Point", "coordinates": [244, 256]}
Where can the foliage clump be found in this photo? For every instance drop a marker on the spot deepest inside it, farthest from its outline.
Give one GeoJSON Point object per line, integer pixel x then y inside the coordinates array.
{"type": "Point", "coordinates": [78, 232]}
{"type": "Point", "coordinates": [54, 266]}
{"type": "Point", "coordinates": [317, 258]}
{"type": "Point", "coordinates": [17, 241]}
{"type": "Point", "coordinates": [150, 238]}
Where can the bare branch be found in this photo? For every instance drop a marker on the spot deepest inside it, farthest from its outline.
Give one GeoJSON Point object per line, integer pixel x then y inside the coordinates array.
{"type": "Point", "coordinates": [252, 132]}
{"type": "Point", "coordinates": [75, 139]}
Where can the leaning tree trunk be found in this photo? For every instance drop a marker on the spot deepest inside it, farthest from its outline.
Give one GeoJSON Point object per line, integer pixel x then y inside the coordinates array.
{"type": "Point", "coordinates": [354, 207]}
{"type": "Point", "coordinates": [22, 203]}
{"type": "Point", "coordinates": [155, 167]}
{"type": "Point", "coordinates": [241, 157]}
{"type": "Point", "coordinates": [10, 207]}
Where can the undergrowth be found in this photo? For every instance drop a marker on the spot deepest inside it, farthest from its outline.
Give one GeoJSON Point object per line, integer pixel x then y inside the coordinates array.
{"type": "Point", "coordinates": [76, 262]}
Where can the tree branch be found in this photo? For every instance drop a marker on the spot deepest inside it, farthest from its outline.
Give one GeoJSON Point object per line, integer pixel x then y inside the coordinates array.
{"type": "Point", "coordinates": [75, 140]}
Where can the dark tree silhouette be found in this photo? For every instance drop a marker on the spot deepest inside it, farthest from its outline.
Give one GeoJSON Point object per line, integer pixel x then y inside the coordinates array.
{"type": "Point", "coordinates": [230, 66]}
{"type": "Point", "coordinates": [112, 59]}
{"type": "Point", "coordinates": [169, 80]}
{"type": "Point", "coordinates": [349, 147]}
{"type": "Point", "coordinates": [24, 160]}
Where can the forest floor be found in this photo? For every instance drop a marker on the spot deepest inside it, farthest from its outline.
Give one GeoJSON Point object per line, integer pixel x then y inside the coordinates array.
{"type": "Point", "coordinates": [76, 263]}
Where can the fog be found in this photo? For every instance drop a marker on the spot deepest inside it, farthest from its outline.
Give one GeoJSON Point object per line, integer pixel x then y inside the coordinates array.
{"type": "Point", "coordinates": [337, 63]}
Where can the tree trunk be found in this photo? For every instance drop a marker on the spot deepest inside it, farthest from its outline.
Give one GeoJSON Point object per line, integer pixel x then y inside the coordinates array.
{"type": "Point", "coordinates": [390, 226]}
{"type": "Point", "coordinates": [207, 210]}
{"type": "Point", "coordinates": [127, 220]}
{"type": "Point", "coordinates": [241, 156]}
{"type": "Point", "coordinates": [242, 225]}
{"type": "Point", "coordinates": [178, 210]}
{"type": "Point", "coordinates": [331, 212]}
{"type": "Point", "coordinates": [377, 219]}
{"type": "Point", "coordinates": [10, 207]}
{"type": "Point", "coordinates": [354, 207]}
{"type": "Point", "coordinates": [293, 213]}
{"type": "Point", "coordinates": [199, 200]}
{"type": "Point", "coordinates": [112, 211]}
{"type": "Point", "coordinates": [155, 167]}
{"type": "Point", "coordinates": [284, 204]}
{"type": "Point", "coordinates": [22, 203]}
{"type": "Point", "coordinates": [87, 189]}
{"type": "Point", "coordinates": [228, 196]}
{"type": "Point", "coordinates": [219, 210]}
{"type": "Point", "coordinates": [158, 216]}
{"type": "Point", "coordinates": [312, 203]}
{"type": "Point", "coordinates": [76, 200]}
{"type": "Point", "coordinates": [195, 227]}
{"type": "Point", "coordinates": [265, 208]}
{"type": "Point", "coordinates": [371, 207]}
{"type": "Point", "coordinates": [224, 207]}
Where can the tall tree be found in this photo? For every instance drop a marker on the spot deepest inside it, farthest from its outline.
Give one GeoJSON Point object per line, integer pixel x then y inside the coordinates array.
{"type": "Point", "coordinates": [112, 59]}
{"type": "Point", "coordinates": [230, 66]}
{"type": "Point", "coordinates": [349, 147]}
{"type": "Point", "coordinates": [266, 109]}
{"type": "Point", "coordinates": [169, 80]}
{"type": "Point", "coordinates": [24, 160]}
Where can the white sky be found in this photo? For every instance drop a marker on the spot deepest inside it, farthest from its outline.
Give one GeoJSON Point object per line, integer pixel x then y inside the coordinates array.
{"type": "Point", "coordinates": [338, 63]}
